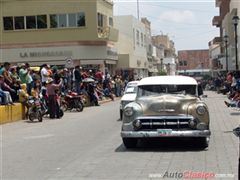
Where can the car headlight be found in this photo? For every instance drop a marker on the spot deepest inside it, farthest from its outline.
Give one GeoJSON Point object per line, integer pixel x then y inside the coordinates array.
{"type": "Point", "coordinates": [201, 110]}
{"type": "Point", "coordinates": [128, 111]}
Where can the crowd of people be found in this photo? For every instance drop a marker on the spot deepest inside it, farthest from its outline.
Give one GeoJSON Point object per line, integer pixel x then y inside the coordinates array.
{"type": "Point", "coordinates": [18, 83]}
{"type": "Point", "coordinates": [229, 85]}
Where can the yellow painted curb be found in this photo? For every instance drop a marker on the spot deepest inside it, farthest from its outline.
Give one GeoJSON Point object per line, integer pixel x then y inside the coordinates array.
{"type": "Point", "coordinates": [11, 113]}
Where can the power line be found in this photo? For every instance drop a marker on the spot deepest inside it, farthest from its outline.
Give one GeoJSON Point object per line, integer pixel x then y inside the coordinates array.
{"type": "Point", "coordinates": [169, 7]}
{"type": "Point", "coordinates": [166, 21]}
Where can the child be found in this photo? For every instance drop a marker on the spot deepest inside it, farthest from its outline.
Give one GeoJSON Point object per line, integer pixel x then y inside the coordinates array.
{"type": "Point", "coordinates": [23, 95]}
{"type": "Point", "coordinates": [35, 92]}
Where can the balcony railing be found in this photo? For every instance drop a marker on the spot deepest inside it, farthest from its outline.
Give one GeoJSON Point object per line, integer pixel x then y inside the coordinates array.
{"type": "Point", "coordinates": [108, 33]}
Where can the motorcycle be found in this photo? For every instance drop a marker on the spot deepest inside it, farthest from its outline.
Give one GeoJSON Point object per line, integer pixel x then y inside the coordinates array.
{"type": "Point", "coordinates": [44, 107]}
{"type": "Point", "coordinates": [34, 109]}
{"type": "Point", "coordinates": [71, 101]}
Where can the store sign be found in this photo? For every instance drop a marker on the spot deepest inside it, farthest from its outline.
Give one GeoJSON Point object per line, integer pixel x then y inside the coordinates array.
{"type": "Point", "coordinates": [45, 54]}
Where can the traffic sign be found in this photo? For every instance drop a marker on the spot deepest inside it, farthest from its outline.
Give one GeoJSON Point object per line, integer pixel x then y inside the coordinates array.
{"type": "Point", "coordinates": [69, 63]}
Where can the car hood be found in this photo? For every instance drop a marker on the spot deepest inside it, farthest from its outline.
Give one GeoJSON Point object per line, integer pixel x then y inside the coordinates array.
{"type": "Point", "coordinates": [166, 104]}
{"type": "Point", "coordinates": [129, 97]}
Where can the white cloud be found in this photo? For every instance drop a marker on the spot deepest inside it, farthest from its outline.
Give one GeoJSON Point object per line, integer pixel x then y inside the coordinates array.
{"type": "Point", "coordinates": [178, 16]}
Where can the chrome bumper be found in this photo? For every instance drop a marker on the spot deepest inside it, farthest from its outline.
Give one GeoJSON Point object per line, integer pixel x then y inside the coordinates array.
{"type": "Point", "coordinates": [152, 134]}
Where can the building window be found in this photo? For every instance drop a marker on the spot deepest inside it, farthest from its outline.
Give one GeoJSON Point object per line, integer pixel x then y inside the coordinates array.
{"type": "Point", "coordinates": [72, 20]}
{"type": "Point", "coordinates": [19, 22]}
{"type": "Point", "coordinates": [149, 48]}
{"type": "Point", "coordinates": [185, 63]}
{"type": "Point", "coordinates": [81, 19]}
{"type": "Point", "coordinates": [53, 21]}
{"type": "Point", "coordinates": [67, 20]}
{"type": "Point", "coordinates": [145, 41]}
{"type": "Point", "coordinates": [8, 23]}
{"type": "Point", "coordinates": [62, 20]}
{"type": "Point", "coordinates": [142, 39]}
{"type": "Point", "coordinates": [41, 21]}
{"type": "Point", "coordinates": [100, 20]}
{"type": "Point", "coordinates": [134, 38]}
{"type": "Point", "coordinates": [31, 22]}
{"type": "Point", "coordinates": [138, 38]}
{"type": "Point", "coordinates": [25, 22]}
{"type": "Point", "coordinates": [110, 21]}
{"type": "Point", "coordinates": [180, 63]}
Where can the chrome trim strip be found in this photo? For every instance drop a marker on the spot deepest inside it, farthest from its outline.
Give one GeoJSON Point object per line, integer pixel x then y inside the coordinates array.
{"type": "Point", "coordinates": [149, 134]}
{"type": "Point", "coordinates": [165, 117]}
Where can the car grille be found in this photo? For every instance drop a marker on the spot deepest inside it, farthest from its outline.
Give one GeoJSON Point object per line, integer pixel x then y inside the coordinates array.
{"type": "Point", "coordinates": [175, 123]}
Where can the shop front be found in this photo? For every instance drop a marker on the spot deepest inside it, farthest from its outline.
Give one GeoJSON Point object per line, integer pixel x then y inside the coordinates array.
{"type": "Point", "coordinates": [90, 57]}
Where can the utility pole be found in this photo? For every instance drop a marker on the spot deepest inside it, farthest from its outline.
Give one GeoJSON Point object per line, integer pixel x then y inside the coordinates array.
{"type": "Point", "coordinates": [138, 9]}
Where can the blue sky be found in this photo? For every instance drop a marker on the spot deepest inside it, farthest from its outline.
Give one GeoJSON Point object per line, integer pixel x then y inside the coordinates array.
{"type": "Point", "coordinates": [188, 23]}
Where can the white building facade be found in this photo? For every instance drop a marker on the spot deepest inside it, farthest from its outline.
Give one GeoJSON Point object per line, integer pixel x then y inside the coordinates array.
{"type": "Point", "coordinates": [131, 45]}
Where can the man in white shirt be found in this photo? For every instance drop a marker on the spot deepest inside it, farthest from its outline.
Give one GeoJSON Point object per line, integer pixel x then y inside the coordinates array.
{"type": "Point", "coordinates": [44, 74]}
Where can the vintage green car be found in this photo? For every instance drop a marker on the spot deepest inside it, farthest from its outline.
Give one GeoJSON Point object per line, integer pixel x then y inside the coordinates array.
{"type": "Point", "coordinates": [166, 106]}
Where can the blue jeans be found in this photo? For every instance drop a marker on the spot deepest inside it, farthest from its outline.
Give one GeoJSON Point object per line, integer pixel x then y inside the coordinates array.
{"type": "Point", "coordinates": [29, 87]}
{"type": "Point", "coordinates": [77, 86]}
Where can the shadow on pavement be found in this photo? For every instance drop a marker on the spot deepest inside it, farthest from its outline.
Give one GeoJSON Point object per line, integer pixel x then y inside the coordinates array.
{"type": "Point", "coordinates": [163, 145]}
{"type": "Point", "coordinates": [34, 121]}
{"type": "Point", "coordinates": [235, 113]}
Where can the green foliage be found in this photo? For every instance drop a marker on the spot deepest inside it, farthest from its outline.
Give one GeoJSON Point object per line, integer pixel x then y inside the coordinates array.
{"type": "Point", "coordinates": [162, 73]}
{"type": "Point", "coordinates": [206, 77]}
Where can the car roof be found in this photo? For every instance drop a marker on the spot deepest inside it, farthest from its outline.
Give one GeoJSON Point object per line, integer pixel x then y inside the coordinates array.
{"type": "Point", "coordinates": [168, 80]}
{"type": "Point", "coordinates": [132, 83]}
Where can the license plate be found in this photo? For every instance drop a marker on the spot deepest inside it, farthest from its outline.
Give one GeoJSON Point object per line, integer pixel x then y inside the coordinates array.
{"type": "Point", "coordinates": [164, 132]}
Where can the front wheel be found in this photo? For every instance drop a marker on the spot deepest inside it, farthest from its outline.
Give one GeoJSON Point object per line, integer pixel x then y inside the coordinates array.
{"type": "Point", "coordinates": [64, 106]}
{"type": "Point", "coordinates": [79, 106]}
{"type": "Point", "coordinates": [40, 116]}
{"type": "Point", "coordinates": [61, 113]}
{"type": "Point", "coordinates": [130, 142]}
{"type": "Point", "coordinates": [31, 116]}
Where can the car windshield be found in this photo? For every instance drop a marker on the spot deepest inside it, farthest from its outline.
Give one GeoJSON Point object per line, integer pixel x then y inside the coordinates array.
{"type": "Point", "coordinates": [131, 89]}
{"type": "Point", "coordinates": [151, 90]}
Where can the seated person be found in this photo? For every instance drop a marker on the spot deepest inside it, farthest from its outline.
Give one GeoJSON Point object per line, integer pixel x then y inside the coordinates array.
{"type": "Point", "coordinates": [234, 102]}
{"type": "Point", "coordinates": [107, 93]}
{"type": "Point", "coordinates": [91, 93]}
{"type": "Point", "coordinates": [7, 90]}
{"type": "Point", "coordinates": [6, 97]}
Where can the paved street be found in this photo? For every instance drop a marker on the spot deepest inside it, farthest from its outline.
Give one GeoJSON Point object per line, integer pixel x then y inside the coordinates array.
{"type": "Point", "coordinates": [88, 146]}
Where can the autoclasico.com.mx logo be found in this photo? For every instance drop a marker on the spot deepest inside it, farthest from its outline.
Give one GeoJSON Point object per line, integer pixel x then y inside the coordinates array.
{"type": "Point", "coordinates": [191, 175]}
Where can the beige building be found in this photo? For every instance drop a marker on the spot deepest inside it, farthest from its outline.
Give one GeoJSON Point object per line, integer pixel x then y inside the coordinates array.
{"type": "Point", "coordinates": [217, 62]}
{"type": "Point", "coordinates": [132, 50]}
{"type": "Point", "coordinates": [168, 61]}
{"type": "Point", "coordinates": [227, 10]}
{"type": "Point", "coordinates": [51, 32]}
{"type": "Point", "coordinates": [152, 62]}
